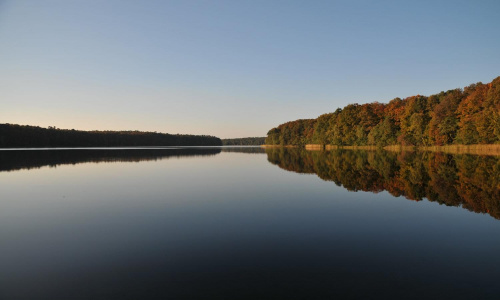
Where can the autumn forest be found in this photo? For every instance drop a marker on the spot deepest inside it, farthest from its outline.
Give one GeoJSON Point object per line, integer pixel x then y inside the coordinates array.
{"type": "Point", "coordinates": [461, 116]}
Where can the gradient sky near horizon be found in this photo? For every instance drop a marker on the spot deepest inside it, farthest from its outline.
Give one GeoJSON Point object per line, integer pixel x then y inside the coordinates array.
{"type": "Point", "coordinates": [231, 68]}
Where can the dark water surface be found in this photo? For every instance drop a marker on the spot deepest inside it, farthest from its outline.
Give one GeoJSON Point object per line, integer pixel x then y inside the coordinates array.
{"type": "Point", "coordinates": [245, 223]}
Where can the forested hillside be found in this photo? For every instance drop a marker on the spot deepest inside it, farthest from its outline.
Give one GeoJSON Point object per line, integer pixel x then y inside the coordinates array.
{"type": "Point", "coordinates": [32, 136]}
{"type": "Point", "coordinates": [461, 116]}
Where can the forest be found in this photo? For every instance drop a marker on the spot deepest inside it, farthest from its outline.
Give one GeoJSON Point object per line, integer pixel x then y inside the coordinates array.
{"type": "Point", "coordinates": [248, 141]}
{"type": "Point", "coordinates": [461, 116]}
{"type": "Point", "coordinates": [12, 136]}
{"type": "Point", "coordinates": [468, 181]}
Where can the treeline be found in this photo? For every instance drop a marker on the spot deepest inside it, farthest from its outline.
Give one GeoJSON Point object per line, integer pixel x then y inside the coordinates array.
{"type": "Point", "coordinates": [33, 136]}
{"type": "Point", "coordinates": [461, 116]}
{"type": "Point", "coordinates": [468, 181]}
{"type": "Point", "coordinates": [248, 141]}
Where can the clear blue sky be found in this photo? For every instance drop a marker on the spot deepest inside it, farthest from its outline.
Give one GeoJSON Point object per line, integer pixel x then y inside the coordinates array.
{"type": "Point", "coordinates": [231, 68]}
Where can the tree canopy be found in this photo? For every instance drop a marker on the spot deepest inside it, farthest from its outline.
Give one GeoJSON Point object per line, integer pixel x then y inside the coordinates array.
{"type": "Point", "coordinates": [460, 116]}
{"type": "Point", "coordinates": [33, 136]}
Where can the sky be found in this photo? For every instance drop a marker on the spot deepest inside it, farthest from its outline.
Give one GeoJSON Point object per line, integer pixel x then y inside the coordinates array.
{"type": "Point", "coordinates": [231, 68]}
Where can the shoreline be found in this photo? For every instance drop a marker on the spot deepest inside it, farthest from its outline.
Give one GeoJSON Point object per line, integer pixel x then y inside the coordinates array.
{"type": "Point", "coordinates": [476, 149]}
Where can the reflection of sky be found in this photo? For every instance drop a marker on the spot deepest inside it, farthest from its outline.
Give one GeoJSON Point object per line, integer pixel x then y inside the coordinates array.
{"type": "Point", "coordinates": [97, 224]}
{"type": "Point", "coordinates": [231, 68]}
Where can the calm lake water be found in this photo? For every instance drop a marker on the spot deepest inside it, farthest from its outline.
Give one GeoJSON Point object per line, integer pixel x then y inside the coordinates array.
{"type": "Point", "coordinates": [247, 223]}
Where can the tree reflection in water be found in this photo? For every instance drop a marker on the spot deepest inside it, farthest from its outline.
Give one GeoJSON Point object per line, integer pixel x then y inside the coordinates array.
{"type": "Point", "coordinates": [12, 160]}
{"type": "Point", "coordinates": [469, 181]}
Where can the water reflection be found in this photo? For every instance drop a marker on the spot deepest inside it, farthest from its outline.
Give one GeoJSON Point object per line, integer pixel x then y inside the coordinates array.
{"type": "Point", "coordinates": [245, 149]}
{"type": "Point", "coordinates": [233, 226]}
{"type": "Point", "coordinates": [28, 159]}
{"type": "Point", "coordinates": [11, 160]}
{"type": "Point", "coordinates": [469, 181]}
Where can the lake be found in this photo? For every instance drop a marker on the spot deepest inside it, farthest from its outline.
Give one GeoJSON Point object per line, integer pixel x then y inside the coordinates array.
{"type": "Point", "coordinates": [233, 223]}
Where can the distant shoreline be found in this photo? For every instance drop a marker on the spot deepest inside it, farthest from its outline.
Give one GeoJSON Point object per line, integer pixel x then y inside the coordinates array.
{"type": "Point", "coordinates": [25, 136]}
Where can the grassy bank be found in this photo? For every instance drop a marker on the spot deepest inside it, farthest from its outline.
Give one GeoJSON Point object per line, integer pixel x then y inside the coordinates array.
{"type": "Point", "coordinates": [466, 149]}
{"type": "Point", "coordinates": [314, 147]}
{"type": "Point", "coordinates": [493, 149]}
